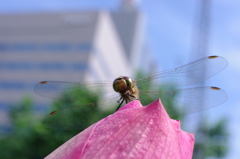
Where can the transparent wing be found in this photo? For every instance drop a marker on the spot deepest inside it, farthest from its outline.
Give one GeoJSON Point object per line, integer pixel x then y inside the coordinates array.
{"type": "Point", "coordinates": [81, 116]}
{"type": "Point", "coordinates": [56, 89]}
{"type": "Point", "coordinates": [70, 118]}
{"type": "Point", "coordinates": [191, 73]}
{"type": "Point", "coordinates": [186, 100]}
{"type": "Point", "coordinates": [190, 100]}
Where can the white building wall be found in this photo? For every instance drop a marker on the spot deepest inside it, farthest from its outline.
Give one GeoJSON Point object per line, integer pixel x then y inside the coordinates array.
{"type": "Point", "coordinates": [137, 44]}
{"type": "Point", "coordinates": [108, 52]}
{"type": "Point", "coordinates": [105, 59]}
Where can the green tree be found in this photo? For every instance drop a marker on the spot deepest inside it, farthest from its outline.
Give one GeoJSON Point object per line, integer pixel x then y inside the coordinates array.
{"type": "Point", "coordinates": [211, 140]}
{"type": "Point", "coordinates": [152, 95]}
{"type": "Point", "coordinates": [31, 139]}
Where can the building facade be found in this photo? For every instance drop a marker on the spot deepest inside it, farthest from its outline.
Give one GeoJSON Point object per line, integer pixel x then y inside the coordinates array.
{"type": "Point", "coordinates": [68, 46]}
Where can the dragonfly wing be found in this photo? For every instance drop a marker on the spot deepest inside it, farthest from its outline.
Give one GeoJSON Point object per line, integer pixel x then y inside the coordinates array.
{"type": "Point", "coordinates": [56, 89]}
{"type": "Point", "coordinates": [81, 116]}
{"type": "Point", "coordinates": [191, 73]}
{"type": "Point", "coordinates": [190, 100]}
{"type": "Point", "coordinates": [70, 118]}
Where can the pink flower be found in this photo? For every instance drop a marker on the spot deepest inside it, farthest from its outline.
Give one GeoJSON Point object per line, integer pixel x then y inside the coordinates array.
{"type": "Point", "coordinates": [132, 132]}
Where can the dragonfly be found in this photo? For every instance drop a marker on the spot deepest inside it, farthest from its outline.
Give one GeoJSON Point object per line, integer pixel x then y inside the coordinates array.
{"type": "Point", "coordinates": [124, 90]}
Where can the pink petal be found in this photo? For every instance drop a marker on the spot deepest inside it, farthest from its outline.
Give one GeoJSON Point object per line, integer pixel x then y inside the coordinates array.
{"type": "Point", "coordinates": [132, 132]}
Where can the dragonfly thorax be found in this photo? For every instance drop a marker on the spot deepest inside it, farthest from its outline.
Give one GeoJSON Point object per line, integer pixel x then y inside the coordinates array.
{"type": "Point", "coordinates": [122, 84]}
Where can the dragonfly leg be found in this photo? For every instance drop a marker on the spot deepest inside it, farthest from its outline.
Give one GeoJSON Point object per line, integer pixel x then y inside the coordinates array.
{"type": "Point", "coordinates": [120, 103]}
{"type": "Point", "coordinates": [119, 100]}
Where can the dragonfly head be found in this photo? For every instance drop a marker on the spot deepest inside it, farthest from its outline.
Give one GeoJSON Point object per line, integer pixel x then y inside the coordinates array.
{"type": "Point", "coordinates": [122, 84]}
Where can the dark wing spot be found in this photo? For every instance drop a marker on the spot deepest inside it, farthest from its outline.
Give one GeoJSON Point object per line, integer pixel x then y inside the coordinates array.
{"type": "Point", "coordinates": [54, 112]}
{"type": "Point", "coordinates": [215, 88]}
{"type": "Point", "coordinates": [212, 57]}
{"type": "Point", "coordinates": [43, 82]}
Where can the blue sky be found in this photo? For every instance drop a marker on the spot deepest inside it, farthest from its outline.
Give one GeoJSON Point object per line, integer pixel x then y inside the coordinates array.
{"type": "Point", "coordinates": [169, 30]}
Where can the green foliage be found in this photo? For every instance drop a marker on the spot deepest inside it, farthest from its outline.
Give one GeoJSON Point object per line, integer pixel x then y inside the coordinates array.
{"type": "Point", "coordinates": [31, 139]}
{"type": "Point", "coordinates": [211, 140]}
{"type": "Point", "coordinates": [74, 113]}
{"type": "Point", "coordinates": [166, 98]}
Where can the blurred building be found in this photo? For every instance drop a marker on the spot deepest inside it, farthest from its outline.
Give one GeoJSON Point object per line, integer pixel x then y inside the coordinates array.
{"type": "Point", "coordinates": [130, 23]}
{"type": "Point", "coordinates": [67, 46]}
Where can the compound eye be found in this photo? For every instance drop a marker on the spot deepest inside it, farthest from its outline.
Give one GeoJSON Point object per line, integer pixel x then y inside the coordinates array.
{"type": "Point", "coordinates": [129, 82]}
{"type": "Point", "coordinates": [120, 85]}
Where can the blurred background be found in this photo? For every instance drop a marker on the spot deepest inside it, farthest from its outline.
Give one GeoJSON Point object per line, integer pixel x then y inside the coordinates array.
{"type": "Point", "coordinates": [88, 40]}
